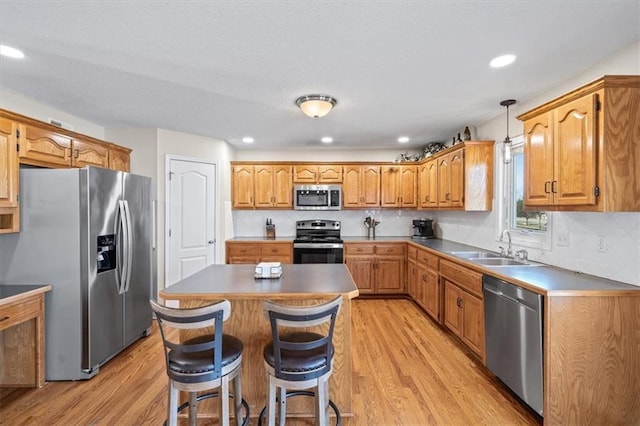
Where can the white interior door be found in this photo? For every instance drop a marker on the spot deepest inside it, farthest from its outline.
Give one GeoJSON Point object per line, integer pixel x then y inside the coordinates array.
{"type": "Point", "coordinates": [190, 238]}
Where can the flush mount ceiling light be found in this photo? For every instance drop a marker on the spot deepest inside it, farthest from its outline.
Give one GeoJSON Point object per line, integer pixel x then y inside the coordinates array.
{"type": "Point", "coordinates": [247, 139]}
{"type": "Point", "coordinates": [403, 139]}
{"type": "Point", "coordinates": [506, 147]}
{"type": "Point", "coordinates": [502, 61]}
{"type": "Point", "coordinates": [316, 106]}
{"type": "Point", "coordinates": [11, 52]}
{"type": "Point", "coordinates": [327, 139]}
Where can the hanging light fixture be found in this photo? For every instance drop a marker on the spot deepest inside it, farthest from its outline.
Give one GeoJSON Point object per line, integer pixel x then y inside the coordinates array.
{"type": "Point", "coordinates": [506, 145]}
{"type": "Point", "coordinates": [316, 106]}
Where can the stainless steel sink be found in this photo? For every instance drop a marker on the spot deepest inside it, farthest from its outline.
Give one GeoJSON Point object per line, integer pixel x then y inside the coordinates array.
{"type": "Point", "coordinates": [475, 254]}
{"type": "Point", "coordinates": [501, 261]}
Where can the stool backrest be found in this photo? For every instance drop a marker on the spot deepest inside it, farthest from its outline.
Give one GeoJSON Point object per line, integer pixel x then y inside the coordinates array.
{"type": "Point", "coordinates": [302, 317]}
{"type": "Point", "coordinates": [172, 320]}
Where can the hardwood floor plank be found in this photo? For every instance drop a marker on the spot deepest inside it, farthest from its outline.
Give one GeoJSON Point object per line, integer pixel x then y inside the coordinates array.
{"type": "Point", "coordinates": [407, 370]}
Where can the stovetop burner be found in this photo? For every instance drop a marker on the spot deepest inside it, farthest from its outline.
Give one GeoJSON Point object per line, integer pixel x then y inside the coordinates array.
{"type": "Point", "coordinates": [317, 239]}
{"type": "Point", "coordinates": [318, 231]}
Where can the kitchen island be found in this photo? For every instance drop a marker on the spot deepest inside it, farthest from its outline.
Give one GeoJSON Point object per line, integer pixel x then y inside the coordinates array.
{"type": "Point", "coordinates": [299, 285]}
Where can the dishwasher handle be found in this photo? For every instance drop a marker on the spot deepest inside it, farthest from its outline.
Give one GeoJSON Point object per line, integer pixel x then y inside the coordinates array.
{"type": "Point", "coordinates": [511, 292]}
{"type": "Point", "coordinates": [511, 299]}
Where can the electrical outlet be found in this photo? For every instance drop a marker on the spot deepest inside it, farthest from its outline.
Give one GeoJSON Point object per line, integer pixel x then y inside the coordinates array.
{"type": "Point", "coordinates": [562, 239]}
{"type": "Point", "coordinates": [602, 245]}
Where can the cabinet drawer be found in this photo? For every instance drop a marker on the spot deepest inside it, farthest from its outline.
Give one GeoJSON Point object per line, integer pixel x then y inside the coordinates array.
{"type": "Point", "coordinates": [463, 277]}
{"type": "Point", "coordinates": [275, 249]}
{"type": "Point", "coordinates": [390, 249]}
{"type": "Point", "coordinates": [19, 311]}
{"type": "Point", "coordinates": [412, 253]}
{"type": "Point", "coordinates": [353, 249]}
{"type": "Point", "coordinates": [243, 250]}
{"type": "Point", "coordinates": [428, 259]}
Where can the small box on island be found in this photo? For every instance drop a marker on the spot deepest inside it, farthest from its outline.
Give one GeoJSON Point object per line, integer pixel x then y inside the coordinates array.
{"type": "Point", "coordinates": [268, 270]}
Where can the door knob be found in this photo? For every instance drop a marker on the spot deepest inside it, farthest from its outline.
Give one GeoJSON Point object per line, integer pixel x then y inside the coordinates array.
{"type": "Point", "coordinates": [211, 241]}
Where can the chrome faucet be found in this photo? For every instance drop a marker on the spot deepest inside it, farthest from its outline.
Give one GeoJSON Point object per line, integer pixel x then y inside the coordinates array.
{"type": "Point", "coordinates": [509, 248]}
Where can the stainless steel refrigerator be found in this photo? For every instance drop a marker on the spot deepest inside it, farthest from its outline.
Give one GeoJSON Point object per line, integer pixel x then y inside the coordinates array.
{"type": "Point", "coordinates": [88, 233]}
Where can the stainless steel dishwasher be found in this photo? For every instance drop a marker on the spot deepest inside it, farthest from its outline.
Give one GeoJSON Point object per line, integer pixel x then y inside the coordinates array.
{"type": "Point", "coordinates": [513, 322]}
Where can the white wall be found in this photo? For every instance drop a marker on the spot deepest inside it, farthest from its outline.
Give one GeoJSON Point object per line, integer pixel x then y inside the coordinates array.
{"type": "Point", "coordinates": [326, 153]}
{"type": "Point", "coordinates": [16, 102]}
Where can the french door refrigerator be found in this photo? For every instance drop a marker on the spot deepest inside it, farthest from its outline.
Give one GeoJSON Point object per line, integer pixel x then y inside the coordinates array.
{"type": "Point", "coordinates": [88, 233]}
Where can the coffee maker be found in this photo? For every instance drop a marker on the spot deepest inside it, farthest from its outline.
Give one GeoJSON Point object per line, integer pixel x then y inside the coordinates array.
{"type": "Point", "coordinates": [422, 229]}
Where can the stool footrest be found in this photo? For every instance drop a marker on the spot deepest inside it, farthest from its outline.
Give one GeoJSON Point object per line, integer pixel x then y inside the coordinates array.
{"type": "Point", "coordinates": [199, 398]}
{"type": "Point", "coordinates": [304, 393]}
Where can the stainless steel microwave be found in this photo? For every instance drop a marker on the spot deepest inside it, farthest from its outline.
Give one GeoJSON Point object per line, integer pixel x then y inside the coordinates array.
{"type": "Point", "coordinates": [317, 197]}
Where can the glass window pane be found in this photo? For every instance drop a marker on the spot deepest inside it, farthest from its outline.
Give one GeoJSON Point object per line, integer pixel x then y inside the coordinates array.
{"type": "Point", "coordinates": [521, 219]}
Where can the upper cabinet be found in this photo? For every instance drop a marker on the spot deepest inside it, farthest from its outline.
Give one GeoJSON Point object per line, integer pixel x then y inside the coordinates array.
{"type": "Point", "coordinates": [317, 173]}
{"type": "Point", "coordinates": [361, 186]}
{"type": "Point", "coordinates": [459, 178]}
{"type": "Point", "coordinates": [44, 145]}
{"type": "Point", "coordinates": [582, 151]}
{"type": "Point", "coordinates": [9, 176]}
{"type": "Point", "coordinates": [398, 186]}
{"type": "Point", "coordinates": [264, 186]}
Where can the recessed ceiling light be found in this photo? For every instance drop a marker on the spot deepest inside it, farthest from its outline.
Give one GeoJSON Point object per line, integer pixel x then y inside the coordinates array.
{"type": "Point", "coordinates": [403, 139]}
{"type": "Point", "coordinates": [247, 139]}
{"type": "Point", "coordinates": [502, 61]}
{"type": "Point", "coordinates": [327, 139]}
{"type": "Point", "coordinates": [10, 52]}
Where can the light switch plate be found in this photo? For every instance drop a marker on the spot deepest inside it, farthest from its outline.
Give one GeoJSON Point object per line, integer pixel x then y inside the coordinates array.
{"type": "Point", "coordinates": [562, 239]}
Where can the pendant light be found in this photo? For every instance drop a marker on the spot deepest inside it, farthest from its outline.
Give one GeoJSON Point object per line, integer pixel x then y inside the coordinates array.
{"type": "Point", "coordinates": [506, 145]}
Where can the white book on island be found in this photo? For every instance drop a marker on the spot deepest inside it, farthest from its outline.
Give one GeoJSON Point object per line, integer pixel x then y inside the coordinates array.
{"type": "Point", "coordinates": [268, 270]}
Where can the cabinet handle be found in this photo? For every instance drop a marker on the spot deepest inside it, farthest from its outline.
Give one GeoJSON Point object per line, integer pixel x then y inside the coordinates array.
{"type": "Point", "coordinates": [447, 196]}
{"type": "Point", "coordinates": [4, 319]}
{"type": "Point", "coordinates": [77, 153]}
{"type": "Point", "coordinates": [553, 186]}
{"type": "Point", "coordinates": [459, 302]}
{"type": "Point", "coordinates": [546, 187]}
{"type": "Point", "coordinates": [426, 198]}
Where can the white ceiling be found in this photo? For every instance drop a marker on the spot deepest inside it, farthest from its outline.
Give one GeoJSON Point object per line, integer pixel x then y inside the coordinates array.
{"type": "Point", "coordinates": [231, 69]}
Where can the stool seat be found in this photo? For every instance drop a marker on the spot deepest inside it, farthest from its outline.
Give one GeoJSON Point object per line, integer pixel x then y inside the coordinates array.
{"type": "Point", "coordinates": [202, 361]}
{"type": "Point", "coordinates": [298, 360]}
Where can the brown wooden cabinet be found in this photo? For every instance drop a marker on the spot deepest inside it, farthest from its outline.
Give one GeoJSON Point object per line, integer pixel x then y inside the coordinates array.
{"type": "Point", "coordinates": [88, 153]}
{"type": "Point", "coordinates": [580, 149]}
{"type": "Point", "coordinates": [423, 281]}
{"type": "Point", "coordinates": [376, 268]}
{"type": "Point", "coordinates": [254, 252]}
{"type": "Point", "coordinates": [463, 305]}
{"type": "Point", "coordinates": [459, 178]}
{"type": "Point", "coordinates": [9, 177]}
{"type": "Point", "coordinates": [119, 158]}
{"type": "Point", "coordinates": [398, 186]}
{"type": "Point", "coordinates": [40, 146]}
{"type": "Point", "coordinates": [263, 186]}
{"type": "Point", "coordinates": [361, 186]}
{"type": "Point", "coordinates": [317, 173]}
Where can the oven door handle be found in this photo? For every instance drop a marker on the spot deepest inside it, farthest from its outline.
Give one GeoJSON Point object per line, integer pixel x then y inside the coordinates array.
{"type": "Point", "coordinates": [318, 245]}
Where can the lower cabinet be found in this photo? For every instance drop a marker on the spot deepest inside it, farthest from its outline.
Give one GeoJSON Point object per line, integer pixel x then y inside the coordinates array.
{"type": "Point", "coordinates": [463, 305]}
{"type": "Point", "coordinates": [423, 283]}
{"type": "Point", "coordinates": [376, 268]}
{"type": "Point", "coordinates": [253, 252]}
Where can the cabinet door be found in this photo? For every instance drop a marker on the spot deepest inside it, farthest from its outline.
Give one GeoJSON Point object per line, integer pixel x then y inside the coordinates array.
{"type": "Point", "coordinates": [428, 186]}
{"type": "Point", "coordinates": [86, 153]}
{"type": "Point", "coordinates": [538, 161]}
{"type": "Point", "coordinates": [370, 186]}
{"type": "Point", "coordinates": [41, 147]}
{"type": "Point", "coordinates": [351, 197]}
{"type": "Point", "coordinates": [575, 154]}
{"type": "Point", "coordinates": [242, 186]}
{"type": "Point", "coordinates": [9, 175]}
{"type": "Point", "coordinates": [456, 167]}
{"type": "Point", "coordinates": [431, 292]}
{"type": "Point", "coordinates": [360, 269]}
{"type": "Point", "coordinates": [305, 174]}
{"type": "Point", "coordinates": [119, 159]}
{"type": "Point", "coordinates": [452, 310]}
{"type": "Point", "coordinates": [412, 279]}
{"type": "Point", "coordinates": [329, 174]}
{"type": "Point", "coordinates": [444, 182]}
{"type": "Point", "coordinates": [408, 186]}
{"type": "Point", "coordinates": [390, 182]}
{"type": "Point", "coordinates": [263, 186]}
{"type": "Point", "coordinates": [473, 323]}
{"type": "Point", "coordinates": [282, 187]}
{"type": "Point", "coordinates": [388, 274]}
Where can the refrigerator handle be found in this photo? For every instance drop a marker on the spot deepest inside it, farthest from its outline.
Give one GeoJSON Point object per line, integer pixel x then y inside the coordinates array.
{"type": "Point", "coordinates": [118, 226]}
{"type": "Point", "coordinates": [129, 243]}
{"type": "Point", "coordinates": [121, 275]}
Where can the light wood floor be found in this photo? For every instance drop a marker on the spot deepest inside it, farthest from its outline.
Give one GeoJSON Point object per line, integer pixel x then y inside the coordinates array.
{"type": "Point", "coordinates": [406, 371]}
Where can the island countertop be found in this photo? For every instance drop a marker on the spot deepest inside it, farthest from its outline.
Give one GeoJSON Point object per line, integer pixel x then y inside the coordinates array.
{"type": "Point", "coordinates": [238, 282]}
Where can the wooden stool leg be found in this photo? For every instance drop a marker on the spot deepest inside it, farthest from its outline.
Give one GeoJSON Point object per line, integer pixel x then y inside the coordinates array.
{"type": "Point", "coordinates": [282, 408]}
{"type": "Point", "coordinates": [237, 390]}
{"type": "Point", "coordinates": [193, 408]}
{"type": "Point", "coordinates": [172, 411]}
{"type": "Point", "coordinates": [321, 403]}
{"type": "Point", "coordinates": [271, 404]}
{"type": "Point", "coordinates": [224, 401]}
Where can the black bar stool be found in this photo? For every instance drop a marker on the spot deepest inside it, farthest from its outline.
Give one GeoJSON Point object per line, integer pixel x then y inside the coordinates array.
{"type": "Point", "coordinates": [208, 361]}
{"type": "Point", "coordinates": [298, 360]}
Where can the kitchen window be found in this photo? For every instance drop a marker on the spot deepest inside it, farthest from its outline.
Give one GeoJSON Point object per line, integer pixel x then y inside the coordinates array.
{"type": "Point", "coordinates": [527, 228]}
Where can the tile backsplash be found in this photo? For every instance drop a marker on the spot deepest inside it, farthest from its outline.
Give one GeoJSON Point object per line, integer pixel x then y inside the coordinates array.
{"type": "Point", "coordinates": [602, 244]}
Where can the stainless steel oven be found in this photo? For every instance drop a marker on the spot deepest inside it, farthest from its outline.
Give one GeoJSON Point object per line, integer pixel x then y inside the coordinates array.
{"type": "Point", "coordinates": [317, 241]}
